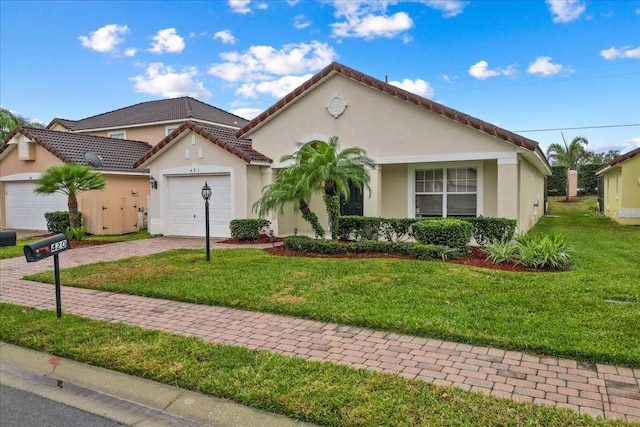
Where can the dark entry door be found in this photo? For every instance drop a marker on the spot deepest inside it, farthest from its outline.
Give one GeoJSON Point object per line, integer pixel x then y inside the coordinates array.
{"type": "Point", "coordinates": [355, 204]}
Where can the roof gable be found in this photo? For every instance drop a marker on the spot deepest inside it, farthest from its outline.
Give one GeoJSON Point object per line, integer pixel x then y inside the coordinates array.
{"type": "Point", "coordinates": [396, 92]}
{"type": "Point", "coordinates": [620, 159]}
{"type": "Point", "coordinates": [164, 110]}
{"type": "Point", "coordinates": [116, 154]}
{"type": "Point", "coordinates": [219, 135]}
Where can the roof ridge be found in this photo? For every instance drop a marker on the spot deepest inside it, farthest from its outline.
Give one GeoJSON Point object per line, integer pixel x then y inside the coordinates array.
{"type": "Point", "coordinates": [84, 135]}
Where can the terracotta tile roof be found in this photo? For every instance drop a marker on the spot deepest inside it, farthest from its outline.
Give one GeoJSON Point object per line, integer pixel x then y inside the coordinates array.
{"type": "Point", "coordinates": [116, 154]}
{"type": "Point", "coordinates": [164, 110]}
{"type": "Point", "coordinates": [221, 136]}
{"type": "Point", "coordinates": [67, 124]}
{"type": "Point", "coordinates": [427, 104]}
{"type": "Point", "coordinates": [626, 156]}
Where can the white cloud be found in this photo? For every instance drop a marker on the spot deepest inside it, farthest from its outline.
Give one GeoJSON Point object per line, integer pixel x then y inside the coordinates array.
{"type": "Point", "coordinates": [225, 36]}
{"type": "Point", "coordinates": [623, 146]}
{"type": "Point", "coordinates": [481, 71]}
{"type": "Point", "coordinates": [447, 78]}
{"type": "Point", "coordinates": [564, 11]}
{"type": "Point", "coordinates": [130, 52]}
{"type": "Point", "coordinates": [543, 65]}
{"type": "Point", "coordinates": [301, 22]}
{"type": "Point", "coordinates": [105, 39]}
{"type": "Point", "coordinates": [368, 20]}
{"type": "Point", "coordinates": [167, 40]}
{"type": "Point", "coordinates": [623, 52]}
{"type": "Point", "coordinates": [240, 6]}
{"type": "Point", "coordinates": [419, 87]}
{"type": "Point", "coordinates": [264, 62]}
{"type": "Point", "coordinates": [277, 88]}
{"type": "Point", "coordinates": [247, 113]}
{"type": "Point", "coordinates": [163, 80]}
{"type": "Point", "coordinates": [449, 8]}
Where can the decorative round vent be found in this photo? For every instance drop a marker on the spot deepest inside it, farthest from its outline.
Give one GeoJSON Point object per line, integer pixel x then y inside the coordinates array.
{"type": "Point", "coordinates": [336, 106]}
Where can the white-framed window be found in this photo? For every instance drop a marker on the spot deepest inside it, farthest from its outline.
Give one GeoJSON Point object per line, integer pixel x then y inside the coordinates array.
{"type": "Point", "coordinates": [170, 128]}
{"type": "Point", "coordinates": [445, 192]}
{"type": "Point", "coordinates": [118, 134]}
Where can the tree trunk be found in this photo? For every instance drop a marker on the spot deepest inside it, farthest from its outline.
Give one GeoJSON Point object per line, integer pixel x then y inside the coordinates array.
{"type": "Point", "coordinates": [74, 222]}
{"type": "Point", "coordinates": [312, 219]}
{"type": "Point", "coordinates": [333, 211]}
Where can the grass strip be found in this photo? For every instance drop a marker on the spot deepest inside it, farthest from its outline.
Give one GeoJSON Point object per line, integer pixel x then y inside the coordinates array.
{"type": "Point", "coordinates": [317, 392]}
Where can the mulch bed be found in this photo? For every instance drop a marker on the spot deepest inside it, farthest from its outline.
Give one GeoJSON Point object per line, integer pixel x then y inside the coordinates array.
{"type": "Point", "coordinates": [477, 258]}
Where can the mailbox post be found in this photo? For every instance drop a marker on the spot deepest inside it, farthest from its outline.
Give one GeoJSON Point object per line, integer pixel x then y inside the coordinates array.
{"type": "Point", "coordinates": [44, 249]}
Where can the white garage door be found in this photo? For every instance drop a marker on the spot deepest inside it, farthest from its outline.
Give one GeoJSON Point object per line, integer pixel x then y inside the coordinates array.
{"type": "Point", "coordinates": [26, 209]}
{"type": "Point", "coordinates": [186, 206]}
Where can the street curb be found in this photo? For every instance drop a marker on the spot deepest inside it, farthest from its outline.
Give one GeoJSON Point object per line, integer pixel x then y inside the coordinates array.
{"type": "Point", "coordinates": [123, 398]}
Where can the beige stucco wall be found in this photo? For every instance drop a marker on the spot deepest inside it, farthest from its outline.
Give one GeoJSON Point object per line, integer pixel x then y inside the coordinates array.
{"type": "Point", "coordinates": [245, 179]}
{"type": "Point", "coordinates": [150, 134]}
{"type": "Point", "coordinates": [623, 204]}
{"type": "Point", "coordinates": [383, 125]}
{"type": "Point", "coordinates": [530, 195]}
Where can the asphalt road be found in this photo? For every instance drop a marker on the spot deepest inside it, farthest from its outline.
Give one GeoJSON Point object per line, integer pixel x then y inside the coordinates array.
{"type": "Point", "coordinates": [23, 409]}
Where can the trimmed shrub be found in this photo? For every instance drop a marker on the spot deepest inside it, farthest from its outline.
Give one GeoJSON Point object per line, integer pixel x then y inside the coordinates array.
{"type": "Point", "coordinates": [453, 233]}
{"type": "Point", "coordinates": [397, 229]}
{"type": "Point", "coordinates": [248, 229]}
{"type": "Point", "coordinates": [489, 229]}
{"type": "Point", "coordinates": [58, 222]}
{"type": "Point", "coordinates": [354, 227]}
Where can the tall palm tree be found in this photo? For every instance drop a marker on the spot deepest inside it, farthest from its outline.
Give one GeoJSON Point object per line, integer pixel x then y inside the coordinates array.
{"type": "Point", "coordinates": [285, 189]}
{"type": "Point", "coordinates": [569, 155]}
{"type": "Point", "coordinates": [323, 167]}
{"type": "Point", "coordinates": [70, 179]}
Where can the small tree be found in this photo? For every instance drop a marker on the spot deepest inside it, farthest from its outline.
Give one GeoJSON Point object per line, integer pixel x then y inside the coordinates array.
{"type": "Point", "coordinates": [70, 179]}
{"type": "Point", "coordinates": [285, 189]}
{"type": "Point", "coordinates": [568, 155]}
{"type": "Point", "coordinates": [323, 167]}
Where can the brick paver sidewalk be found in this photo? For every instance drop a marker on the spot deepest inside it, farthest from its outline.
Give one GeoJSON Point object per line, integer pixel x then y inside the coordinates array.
{"type": "Point", "coordinates": [594, 389]}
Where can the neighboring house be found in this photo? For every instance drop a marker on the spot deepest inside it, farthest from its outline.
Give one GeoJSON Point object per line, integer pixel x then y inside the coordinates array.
{"type": "Point", "coordinates": [433, 161]}
{"type": "Point", "coordinates": [149, 121]}
{"type": "Point", "coordinates": [619, 188]}
{"type": "Point", "coordinates": [28, 152]}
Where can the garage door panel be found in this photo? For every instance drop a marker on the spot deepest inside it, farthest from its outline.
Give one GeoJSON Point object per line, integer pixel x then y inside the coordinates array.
{"type": "Point", "coordinates": [26, 209]}
{"type": "Point", "coordinates": [186, 206]}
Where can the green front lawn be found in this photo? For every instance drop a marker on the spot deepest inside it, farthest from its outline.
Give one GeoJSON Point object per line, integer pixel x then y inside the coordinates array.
{"type": "Point", "coordinates": [17, 251]}
{"type": "Point", "coordinates": [323, 393]}
{"type": "Point", "coordinates": [565, 314]}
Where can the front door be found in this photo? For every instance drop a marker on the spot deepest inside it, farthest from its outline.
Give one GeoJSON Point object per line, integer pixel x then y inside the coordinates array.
{"type": "Point", "coordinates": [354, 205]}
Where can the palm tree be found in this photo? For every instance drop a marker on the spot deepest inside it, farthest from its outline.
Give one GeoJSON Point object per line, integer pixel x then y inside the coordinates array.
{"type": "Point", "coordinates": [568, 156]}
{"type": "Point", "coordinates": [70, 179]}
{"type": "Point", "coordinates": [284, 190]}
{"type": "Point", "coordinates": [10, 121]}
{"type": "Point", "coordinates": [323, 167]}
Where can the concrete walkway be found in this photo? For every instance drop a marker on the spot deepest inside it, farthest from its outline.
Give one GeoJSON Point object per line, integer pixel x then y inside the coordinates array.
{"type": "Point", "coordinates": [594, 389]}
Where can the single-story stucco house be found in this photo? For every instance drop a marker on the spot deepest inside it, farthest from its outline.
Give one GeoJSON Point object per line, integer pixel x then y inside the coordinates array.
{"type": "Point", "coordinates": [27, 152]}
{"type": "Point", "coordinates": [619, 188]}
{"type": "Point", "coordinates": [433, 161]}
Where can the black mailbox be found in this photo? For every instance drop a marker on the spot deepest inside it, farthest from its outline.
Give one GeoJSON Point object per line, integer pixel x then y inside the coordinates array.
{"type": "Point", "coordinates": [7, 238]}
{"type": "Point", "coordinates": [45, 248]}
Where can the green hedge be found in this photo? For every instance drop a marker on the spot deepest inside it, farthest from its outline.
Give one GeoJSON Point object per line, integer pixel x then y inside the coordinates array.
{"type": "Point", "coordinates": [488, 229]}
{"type": "Point", "coordinates": [587, 179]}
{"type": "Point", "coordinates": [557, 182]}
{"type": "Point", "coordinates": [58, 222]}
{"type": "Point", "coordinates": [305, 244]}
{"type": "Point", "coordinates": [454, 233]}
{"type": "Point", "coordinates": [248, 229]}
{"type": "Point", "coordinates": [353, 227]}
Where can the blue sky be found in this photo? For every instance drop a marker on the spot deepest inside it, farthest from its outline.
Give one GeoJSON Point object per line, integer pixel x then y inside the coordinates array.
{"type": "Point", "coordinates": [523, 65]}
